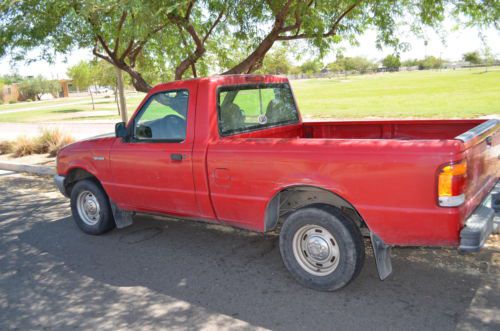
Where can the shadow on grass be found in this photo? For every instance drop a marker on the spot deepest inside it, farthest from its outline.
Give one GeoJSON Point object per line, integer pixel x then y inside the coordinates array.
{"type": "Point", "coordinates": [64, 111]}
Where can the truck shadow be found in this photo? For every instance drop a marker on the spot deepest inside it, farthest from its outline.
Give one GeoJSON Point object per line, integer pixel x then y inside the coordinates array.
{"type": "Point", "coordinates": [240, 274]}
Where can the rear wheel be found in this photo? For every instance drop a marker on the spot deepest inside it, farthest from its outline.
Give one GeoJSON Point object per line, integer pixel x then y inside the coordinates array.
{"type": "Point", "coordinates": [90, 208]}
{"type": "Point", "coordinates": [322, 248]}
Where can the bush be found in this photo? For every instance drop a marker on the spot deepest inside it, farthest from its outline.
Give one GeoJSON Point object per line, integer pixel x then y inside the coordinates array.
{"type": "Point", "coordinates": [5, 147]}
{"type": "Point", "coordinates": [54, 147]}
{"type": "Point", "coordinates": [24, 146]}
{"type": "Point", "coordinates": [12, 101]}
{"type": "Point", "coordinates": [50, 141]}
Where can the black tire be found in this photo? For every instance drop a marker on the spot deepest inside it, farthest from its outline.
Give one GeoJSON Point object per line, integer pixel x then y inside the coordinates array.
{"type": "Point", "coordinates": [103, 218]}
{"type": "Point", "coordinates": [347, 242]}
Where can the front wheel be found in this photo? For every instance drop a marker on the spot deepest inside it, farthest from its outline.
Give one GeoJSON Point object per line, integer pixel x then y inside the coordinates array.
{"type": "Point", "coordinates": [321, 247]}
{"type": "Point", "coordinates": [90, 208]}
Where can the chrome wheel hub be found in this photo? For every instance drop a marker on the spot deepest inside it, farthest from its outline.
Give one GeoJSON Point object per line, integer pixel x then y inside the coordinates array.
{"type": "Point", "coordinates": [88, 207]}
{"type": "Point", "coordinates": [316, 250]}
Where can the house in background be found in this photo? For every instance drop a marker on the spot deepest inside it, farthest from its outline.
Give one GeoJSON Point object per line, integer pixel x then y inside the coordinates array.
{"type": "Point", "coordinates": [11, 92]}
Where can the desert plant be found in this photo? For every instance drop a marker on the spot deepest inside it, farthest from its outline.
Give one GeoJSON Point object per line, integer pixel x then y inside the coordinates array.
{"type": "Point", "coordinates": [48, 137]}
{"type": "Point", "coordinates": [54, 147]}
{"type": "Point", "coordinates": [5, 147]}
{"type": "Point", "coordinates": [49, 141]}
{"type": "Point", "coordinates": [24, 146]}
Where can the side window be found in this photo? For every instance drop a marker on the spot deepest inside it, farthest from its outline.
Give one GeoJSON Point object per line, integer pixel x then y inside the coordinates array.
{"type": "Point", "coordinates": [253, 107]}
{"type": "Point", "coordinates": [163, 117]}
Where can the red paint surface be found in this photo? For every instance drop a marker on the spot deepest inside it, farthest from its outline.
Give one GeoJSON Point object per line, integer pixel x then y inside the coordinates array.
{"type": "Point", "coordinates": [386, 169]}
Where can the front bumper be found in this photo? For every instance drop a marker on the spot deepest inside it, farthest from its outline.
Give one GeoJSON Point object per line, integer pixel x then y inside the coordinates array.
{"type": "Point", "coordinates": [59, 181]}
{"type": "Point", "coordinates": [481, 223]}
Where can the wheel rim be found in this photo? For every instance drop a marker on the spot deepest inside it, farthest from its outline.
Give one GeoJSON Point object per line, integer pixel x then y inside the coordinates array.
{"type": "Point", "coordinates": [88, 207]}
{"type": "Point", "coordinates": [316, 250]}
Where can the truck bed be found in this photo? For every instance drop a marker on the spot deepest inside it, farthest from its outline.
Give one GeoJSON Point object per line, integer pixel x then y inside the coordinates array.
{"type": "Point", "coordinates": [371, 129]}
{"type": "Point", "coordinates": [389, 129]}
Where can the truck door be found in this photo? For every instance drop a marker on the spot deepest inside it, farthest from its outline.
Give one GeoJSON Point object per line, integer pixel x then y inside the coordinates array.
{"type": "Point", "coordinates": [152, 169]}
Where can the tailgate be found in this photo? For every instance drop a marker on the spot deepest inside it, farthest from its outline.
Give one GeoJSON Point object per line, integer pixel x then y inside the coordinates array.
{"type": "Point", "coordinates": [482, 152]}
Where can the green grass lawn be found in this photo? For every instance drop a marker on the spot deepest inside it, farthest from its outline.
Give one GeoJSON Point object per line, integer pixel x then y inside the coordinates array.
{"type": "Point", "coordinates": [435, 94]}
{"type": "Point", "coordinates": [443, 94]}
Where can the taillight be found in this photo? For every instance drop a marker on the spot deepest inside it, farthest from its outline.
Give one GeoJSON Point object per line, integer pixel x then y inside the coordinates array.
{"type": "Point", "coordinates": [452, 181]}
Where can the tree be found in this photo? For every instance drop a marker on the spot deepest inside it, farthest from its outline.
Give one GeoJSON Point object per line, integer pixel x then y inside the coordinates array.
{"type": "Point", "coordinates": [232, 36]}
{"type": "Point", "coordinates": [391, 61]}
{"type": "Point", "coordinates": [410, 63]}
{"type": "Point", "coordinates": [472, 57]}
{"type": "Point", "coordinates": [488, 57]}
{"type": "Point", "coordinates": [34, 88]}
{"type": "Point", "coordinates": [276, 62]}
{"type": "Point", "coordinates": [430, 62]}
{"type": "Point", "coordinates": [311, 67]}
{"type": "Point", "coordinates": [82, 75]}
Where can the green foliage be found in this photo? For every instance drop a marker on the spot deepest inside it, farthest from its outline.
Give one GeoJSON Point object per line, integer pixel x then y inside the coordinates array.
{"type": "Point", "coordinates": [90, 73]}
{"type": "Point", "coordinates": [151, 40]}
{"type": "Point", "coordinates": [11, 79]}
{"type": "Point", "coordinates": [81, 74]}
{"type": "Point", "coordinates": [410, 63]}
{"type": "Point", "coordinates": [391, 61]}
{"type": "Point", "coordinates": [357, 63]}
{"type": "Point", "coordinates": [33, 88]}
{"type": "Point", "coordinates": [311, 67]}
{"type": "Point", "coordinates": [430, 62]}
{"type": "Point", "coordinates": [472, 57]}
{"type": "Point", "coordinates": [277, 62]}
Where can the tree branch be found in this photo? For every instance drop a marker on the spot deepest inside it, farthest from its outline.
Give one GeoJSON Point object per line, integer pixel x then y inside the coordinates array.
{"type": "Point", "coordinates": [120, 26]}
{"type": "Point", "coordinates": [189, 8]}
{"type": "Point", "coordinates": [329, 33]}
{"type": "Point", "coordinates": [216, 22]}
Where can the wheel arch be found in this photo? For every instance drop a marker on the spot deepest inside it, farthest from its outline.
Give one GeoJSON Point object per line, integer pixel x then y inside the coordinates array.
{"type": "Point", "coordinates": [76, 174]}
{"type": "Point", "coordinates": [295, 197]}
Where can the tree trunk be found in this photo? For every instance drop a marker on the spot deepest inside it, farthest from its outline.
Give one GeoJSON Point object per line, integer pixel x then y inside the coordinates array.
{"type": "Point", "coordinates": [121, 92]}
{"type": "Point", "coordinates": [117, 103]}
{"type": "Point", "coordinates": [254, 60]}
{"type": "Point", "coordinates": [92, 98]}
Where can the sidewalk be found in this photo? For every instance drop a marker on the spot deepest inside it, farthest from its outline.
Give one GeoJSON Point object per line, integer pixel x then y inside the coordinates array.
{"type": "Point", "coordinates": [78, 130]}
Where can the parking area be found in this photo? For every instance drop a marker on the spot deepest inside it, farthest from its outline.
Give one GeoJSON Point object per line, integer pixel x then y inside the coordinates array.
{"type": "Point", "coordinates": [161, 274]}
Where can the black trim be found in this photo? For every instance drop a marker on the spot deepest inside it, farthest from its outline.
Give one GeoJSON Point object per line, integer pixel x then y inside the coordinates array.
{"type": "Point", "coordinates": [131, 129]}
{"type": "Point", "coordinates": [226, 88]}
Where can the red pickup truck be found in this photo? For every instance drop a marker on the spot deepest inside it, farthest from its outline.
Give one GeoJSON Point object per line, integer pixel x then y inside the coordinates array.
{"type": "Point", "coordinates": [234, 150]}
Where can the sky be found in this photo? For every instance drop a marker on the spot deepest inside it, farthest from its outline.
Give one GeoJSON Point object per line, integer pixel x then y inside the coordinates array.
{"type": "Point", "coordinates": [456, 43]}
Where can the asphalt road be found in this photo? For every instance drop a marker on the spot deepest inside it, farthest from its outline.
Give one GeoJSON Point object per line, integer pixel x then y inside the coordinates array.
{"type": "Point", "coordinates": [180, 275]}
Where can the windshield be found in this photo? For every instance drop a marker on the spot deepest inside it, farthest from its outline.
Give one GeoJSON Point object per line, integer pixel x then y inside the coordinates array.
{"type": "Point", "coordinates": [245, 108]}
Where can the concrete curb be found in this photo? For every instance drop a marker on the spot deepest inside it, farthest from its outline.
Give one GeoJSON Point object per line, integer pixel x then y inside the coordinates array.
{"type": "Point", "coordinates": [31, 169]}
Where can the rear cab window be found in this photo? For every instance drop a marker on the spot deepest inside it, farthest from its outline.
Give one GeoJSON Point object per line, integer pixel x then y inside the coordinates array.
{"type": "Point", "coordinates": [244, 108]}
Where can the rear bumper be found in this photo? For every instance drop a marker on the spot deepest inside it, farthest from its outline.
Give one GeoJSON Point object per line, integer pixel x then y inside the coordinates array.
{"type": "Point", "coordinates": [481, 223]}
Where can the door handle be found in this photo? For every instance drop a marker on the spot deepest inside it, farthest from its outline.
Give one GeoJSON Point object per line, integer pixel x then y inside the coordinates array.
{"type": "Point", "coordinates": [176, 157]}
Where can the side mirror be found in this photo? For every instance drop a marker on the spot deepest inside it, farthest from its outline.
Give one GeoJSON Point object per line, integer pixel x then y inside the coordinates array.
{"type": "Point", "coordinates": [121, 130]}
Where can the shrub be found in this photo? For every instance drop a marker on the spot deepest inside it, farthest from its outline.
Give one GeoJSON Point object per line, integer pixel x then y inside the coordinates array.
{"type": "Point", "coordinates": [5, 147]}
{"type": "Point", "coordinates": [50, 141]}
{"type": "Point", "coordinates": [56, 146]}
{"type": "Point", "coordinates": [12, 101]}
{"type": "Point", "coordinates": [24, 146]}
